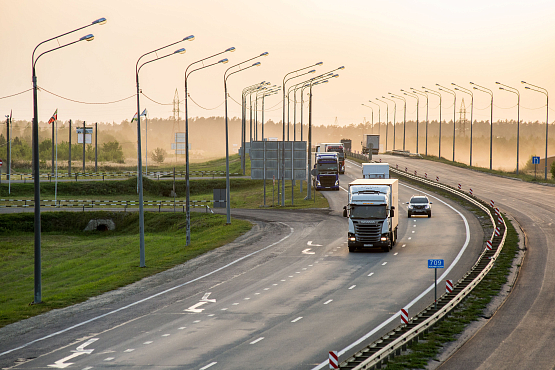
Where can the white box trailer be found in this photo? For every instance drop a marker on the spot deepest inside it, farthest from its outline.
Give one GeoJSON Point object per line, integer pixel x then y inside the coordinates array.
{"type": "Point", "coordinates": [375, 170]}
{"type": "Point", "coordinates": [373, 214]}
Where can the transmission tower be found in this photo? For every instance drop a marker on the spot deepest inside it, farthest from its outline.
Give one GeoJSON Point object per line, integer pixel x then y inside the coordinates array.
{"type": "Point", "coordinates": [462, 118]}
{"type": "Point", "coordinates": [336, 121]}
{"type": "Point", "coordinates": [176, 111]}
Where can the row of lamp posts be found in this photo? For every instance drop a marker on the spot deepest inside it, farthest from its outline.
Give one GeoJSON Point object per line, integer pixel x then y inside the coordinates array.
{"type": "Point", "coordinates": [415, 93]}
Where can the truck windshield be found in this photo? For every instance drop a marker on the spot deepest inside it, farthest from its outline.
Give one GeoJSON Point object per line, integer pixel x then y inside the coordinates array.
{"type": "Point", "coordinates": [373, 212]}
{"type": "Point", "coordinates": [327, 167]}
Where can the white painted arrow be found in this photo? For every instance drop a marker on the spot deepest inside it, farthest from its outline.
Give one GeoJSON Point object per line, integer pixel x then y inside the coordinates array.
{"type": "Point", "coordinates": [307, 251]}
{"type": "Point", "coordinates": [194, 308]}
{"type": "Point", "coordinates": [81, 348]}
{"type": "Point", "coordinates": [313, 245]}
{"type": "Point", "coordinates": [205, 298]}
{"type": "Point", "coordinates": [61, 364]}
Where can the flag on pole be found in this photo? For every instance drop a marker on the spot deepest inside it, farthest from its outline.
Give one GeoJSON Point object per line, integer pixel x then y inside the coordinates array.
{"type": "Point", "coordinates": [54, 117]}
{"type": "Point", "coordinates": [135, 116]}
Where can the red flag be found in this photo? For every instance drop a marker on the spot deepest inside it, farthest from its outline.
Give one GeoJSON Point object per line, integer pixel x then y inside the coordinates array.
{"type": "Point", "coordinates": [54, 117]}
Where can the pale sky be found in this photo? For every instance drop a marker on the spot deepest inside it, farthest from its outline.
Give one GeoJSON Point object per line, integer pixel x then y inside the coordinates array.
{"type": "Point", "coordinates": [385, 46]}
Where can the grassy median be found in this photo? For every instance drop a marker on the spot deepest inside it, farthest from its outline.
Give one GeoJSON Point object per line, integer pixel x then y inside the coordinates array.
{"type": "Point", "coordinates": [77, 265]}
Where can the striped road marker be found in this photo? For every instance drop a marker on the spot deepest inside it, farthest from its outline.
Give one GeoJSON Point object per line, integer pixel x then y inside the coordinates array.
{"type": "Point", "coordinates": [498, 211]}
{"type": "Point", "coordinates": [404, 316]}
{"type": "Point", "coordinates": [425, 175]}
{"type": "Point", "coordinates": [437, 178]}
{"type": "Point", "coordinates": [334, 360]}
{"type": "Point", "coordinates": [470, 191]}
{"type": "Point", "coordinates": [460, 186]}
{"type": "Point", "coordinates": [497, 231]}
{"type": "Point", "coordinates": [491, 203]}
{"type": "Point", "coordinates": [406, 169]}
{"type": "Point", "coordinates": [397, 166]}
{"type": "Point", "coordinates": [415, 173]}
{"type": "Point", "coordinates": [488, 245]}
{"type": "Point", "coordinates": [449, 286]}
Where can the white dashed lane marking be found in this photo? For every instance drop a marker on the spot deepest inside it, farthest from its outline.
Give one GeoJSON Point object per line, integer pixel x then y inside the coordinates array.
{"type": "Point", "coordinates": [328, 301]}
{"type": "Point", "coordinates": [352, 287]}
{"type": "Point", "coordinates": [385, 263]}
{"type": "Point", "coordinates": [370, 274]}
{"type": "Point", "coordinates": [257, 340]}
{"type": "Point", "coordinates": [297, 319]}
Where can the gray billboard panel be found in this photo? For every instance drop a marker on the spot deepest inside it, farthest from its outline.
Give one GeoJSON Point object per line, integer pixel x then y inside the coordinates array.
{"type": "Point", "coordinates": [270, 154]}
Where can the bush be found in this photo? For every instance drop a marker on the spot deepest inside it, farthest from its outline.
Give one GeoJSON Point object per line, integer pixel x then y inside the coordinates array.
{"type": "Point", "coordinates": [553, 170]}
{"type": "Point", "coordinates": [158, 155]}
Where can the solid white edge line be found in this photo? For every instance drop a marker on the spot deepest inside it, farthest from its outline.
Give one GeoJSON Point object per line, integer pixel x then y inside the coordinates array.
{"type": "Point", "coordinates": [396, 315]}
{"type": "Point", "coordinates": [151, 297]}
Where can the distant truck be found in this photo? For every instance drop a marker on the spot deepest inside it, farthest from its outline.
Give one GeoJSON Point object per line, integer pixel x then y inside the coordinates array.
{"type": "Point", "coordinates": [371, 141]}
{"type": "Point", "coordinates": [375, 170]}
{"type": "Point", "coordinates": [340, 150]}
{"type": "Point", "coordinates": [326, 171]}
{"type": "Point", "coordinates": [371, 210]}
{"type": "Point", "coordinates": [346, 145]}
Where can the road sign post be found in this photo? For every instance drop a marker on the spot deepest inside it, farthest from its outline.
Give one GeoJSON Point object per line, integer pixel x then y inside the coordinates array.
{"type": "Point", "coordinates": [535, 162]}
{"type": "Point", "coordinates": [435, 264]}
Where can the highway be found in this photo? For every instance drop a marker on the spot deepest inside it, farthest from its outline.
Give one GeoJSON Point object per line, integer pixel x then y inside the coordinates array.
{"type": "Point", "coordinates": [521, 333]}
{"type": "Point", "coordinates": [280, 297]}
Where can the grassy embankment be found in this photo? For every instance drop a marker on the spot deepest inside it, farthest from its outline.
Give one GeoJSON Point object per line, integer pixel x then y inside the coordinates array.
{"type": "Point", "coordinates": [471, 309]}
{"type": "Point", "coordinates": [77, 265]}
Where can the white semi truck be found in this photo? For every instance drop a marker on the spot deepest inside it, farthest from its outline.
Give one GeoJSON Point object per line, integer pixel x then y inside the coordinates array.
{"type": "Point", "coordinates": [372, 213]}
{"type": "Point", "coordinates": [375, 170]}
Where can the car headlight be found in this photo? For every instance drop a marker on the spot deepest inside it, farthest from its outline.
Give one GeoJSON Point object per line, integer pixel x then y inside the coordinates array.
{"type": "Point", "coordinates": [410, 206]}
{"type": "Point", "coordinates": [318, 182]}
{"type": "Point", "coordinates": [427, 206]}
{"type": "Point", "coordinates": [336, 182]}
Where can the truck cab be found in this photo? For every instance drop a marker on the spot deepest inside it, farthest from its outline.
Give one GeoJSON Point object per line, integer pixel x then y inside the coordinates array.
{"type": "Point", "coordinates": [326, 171]}
{"type": "Point", "coordinates": [337, 148]}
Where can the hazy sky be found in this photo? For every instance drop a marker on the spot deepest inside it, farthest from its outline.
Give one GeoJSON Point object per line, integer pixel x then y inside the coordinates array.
{"type": "Point", "coordinates": [385, 46]}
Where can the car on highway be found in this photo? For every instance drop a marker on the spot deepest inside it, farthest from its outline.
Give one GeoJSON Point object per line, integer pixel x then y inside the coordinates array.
{"type": "Point", "coordinates": [419, 205]}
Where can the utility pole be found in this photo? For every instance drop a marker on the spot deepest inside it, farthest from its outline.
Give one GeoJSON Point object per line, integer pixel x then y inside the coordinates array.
{"type": "Point", "coordinates": [84, 140]}
{"type": "Point", "coordinates": [96, 147]}
{"type": "Point", "coordinates": [69, 160]}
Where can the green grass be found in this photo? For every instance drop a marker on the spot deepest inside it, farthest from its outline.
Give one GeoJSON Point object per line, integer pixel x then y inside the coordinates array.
{"type": "Point", "coordinates": [77, 265]}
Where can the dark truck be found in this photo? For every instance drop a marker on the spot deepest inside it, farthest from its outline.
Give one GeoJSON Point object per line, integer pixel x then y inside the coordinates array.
{"type": "Point", "coordinates": [326, 171]}
{"type": "Point", "coordinates": [339, 149]}
{"type": "Point", "coordinates": [346, 145]}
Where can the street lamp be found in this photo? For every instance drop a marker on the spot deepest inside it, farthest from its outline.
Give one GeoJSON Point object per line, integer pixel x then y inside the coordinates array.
{"type": "Point", "coordinates": [289, 101]}
{"type": "Point", "coordinates": [438, 94]}
{"type": "Point", "coordinates": [386, 120]}
{"type": "Point", "coordinates": [412, 95]}
{"type": "Point", "coordinates": [543, 91]}
{"type": "Point", "coordinates": [187, 201]}
{"type": "Point", "coordinates": [426, 95]}
{"type": "Point", "coordinates": [35, 145]}
{"type": "Point", "coordinates": [488, 91]}
{"type": "Point", "coordinates": [285, 79]}
{"type": "Point", "coordinates": [442, 88]}
{"type": "Point", "coordinates": [139, 155]}
{"type": "Point", "coordinates": [379, 120]}
{"type": "Point", "coordinates": [367, 106]}
{"type": "Point", "coordinates": [462, 89]}
{"type": "Point", "coordinates": [404, 115]}
{"type": "Point", "coordinates": [249, 90]}
{"type": "Point", "coordinates": [394, 114]}
{"type": "Point", "coordinates": [226, 76]}
{"type": "Point", "coordinates": [515, 91]}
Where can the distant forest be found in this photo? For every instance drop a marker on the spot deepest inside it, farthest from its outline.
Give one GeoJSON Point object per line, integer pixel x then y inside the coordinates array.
{"type": "Point", "coordinates": [207, 138]}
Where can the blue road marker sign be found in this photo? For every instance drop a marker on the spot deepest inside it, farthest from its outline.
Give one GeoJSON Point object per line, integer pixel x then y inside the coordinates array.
{"type": "Point", "coordinates": [535, 160]}
{"type": "Point", "coordinates": [436, 264]}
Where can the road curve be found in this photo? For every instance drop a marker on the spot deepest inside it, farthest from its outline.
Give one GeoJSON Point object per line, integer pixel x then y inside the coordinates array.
{"type": "Point", "coordinates": [282, 297]}
{"type": "Point", "coordinates": [521, 333]}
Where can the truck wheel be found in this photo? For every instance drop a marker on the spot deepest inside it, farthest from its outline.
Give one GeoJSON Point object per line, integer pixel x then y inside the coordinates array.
{"type": "Point", "coordinates": [352, 249]}
{"type": "Point", "coordinates": [385, 248]}
{"type": "Point", "coordinates": [409, 215]}
{"type": "Point", "coordinates": [429, 215]}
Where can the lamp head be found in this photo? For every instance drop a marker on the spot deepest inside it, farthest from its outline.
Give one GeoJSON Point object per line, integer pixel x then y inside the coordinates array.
{"type": "Point", "coordinates": [456, 88]}
{"type": "Point", "coordinates": [180, 51]}
{"type": "Point", "coordinates": [232, 49]}
{"type": "Point", "coordinates": [501, 88]}
{"type": "Point", "coordinates": [472, 83]}
{"type": "Point", "coordinates": [256, 64]}
{"type": "Point", "coordinates": [189, 38]}
{"type": "Point", "coordinates": [223, 61]}
{"type": "Point", "coordinates": [89, 37]}
{"type": "Point", "coordinates": [437, 84]}
{"type": "Point", "coordinates": [497, 82]}
{"type": "Point", "coordinates": [523, 82]}
{"type": "Point", "coordinates": [335, 76]}
{"type": "Point", "coordinates": [264, 54]}
{"type": "Point", "coordinates": [319, 63]}
{"type": "Point", "coordinates": [311, 71]}
{"type": "Point", "coordinates": [474, 87]}
{"type": "Point", "coordinates": [342, 67]}
{"type": "Point", "coordinates": [267, 83]}
{"type": "Point", "coordinates": [402, 90]}
{"type": "Point", "coordinates": [452, 83]}
{"type": "Point", "coordinates": [100, 21]}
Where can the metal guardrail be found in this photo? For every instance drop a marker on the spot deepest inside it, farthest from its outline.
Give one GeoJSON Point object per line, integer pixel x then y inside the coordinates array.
{"type": "Point", "coordinates": [391, 344]}
{"type": "Point", "coordinates": [125, 174]}
{"type": "Point", "coordinates": [70, 203]}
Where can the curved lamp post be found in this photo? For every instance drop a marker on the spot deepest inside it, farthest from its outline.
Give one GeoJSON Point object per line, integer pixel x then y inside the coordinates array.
{"type": "Point", "coordinates": [412, 95]}
{"type": "Point", "coordinates": [187, 201]}
{"type": "Point", "coordinates": [226, 76]}
{"type": "Point", "coordinates": [460, 88]}
{"type": "Point", "coordinates": [394, 114]}
{"type": "Point", "coordinates": [438, 94]}
{"type": "Point", "coordinates": [442, 88]}
{"type": "Point", "coordinates": [35, 145]}
{"type": "Point", "coordinates": [543, 91]}
{"type": "Point", "coordinates": [139, 155]}
{"type": "Point", "coordinates": [289, 101]}
{"type": "Point", "coordinates": [515, 91]}
{"type": "Point", "coordinates": [404, 115]}
{"type": "Point", "coordinates": [488, 91]}
{"type": "Point", "coordinates": [426, 95]}
{"type": "Point", "coordinates": [386, 120]}
{"type": "Point", "coordinates": [285, 79]}
{"type": "Point", "coordinates": [247, 91]}
{"type": "Point", "coordinates": [379, 119]}
{"type": "Point", "coordinates": [367, 106]}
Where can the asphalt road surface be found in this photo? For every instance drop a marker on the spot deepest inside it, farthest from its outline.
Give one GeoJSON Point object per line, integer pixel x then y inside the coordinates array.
{"type": "Point", "coordinates": [522, 332]}
{"type": "Point", "coordinates": [280, 297]}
